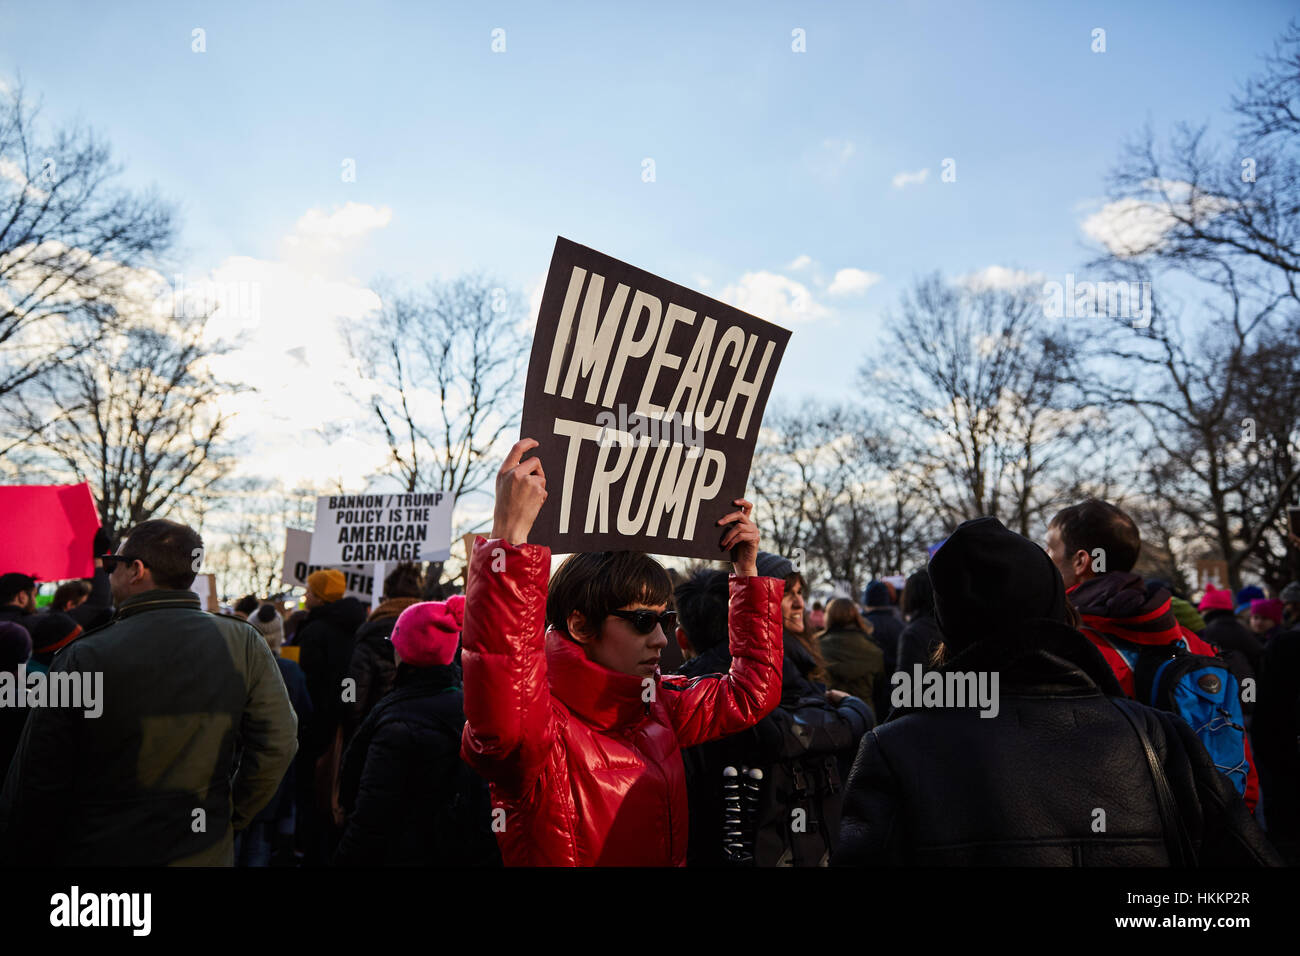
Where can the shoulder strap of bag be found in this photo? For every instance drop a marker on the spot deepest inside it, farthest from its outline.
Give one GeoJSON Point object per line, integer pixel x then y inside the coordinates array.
{"type": "Point", "coordinates": [1177, 840]}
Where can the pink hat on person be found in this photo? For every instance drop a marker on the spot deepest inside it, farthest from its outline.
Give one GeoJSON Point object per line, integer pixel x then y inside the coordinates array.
{"type": "Point", "coordinates": [1271, 609]}
{"type": "Point", "coordinates": [427, 634]}
{"type": "Point", "coordinates": [1216, 599]}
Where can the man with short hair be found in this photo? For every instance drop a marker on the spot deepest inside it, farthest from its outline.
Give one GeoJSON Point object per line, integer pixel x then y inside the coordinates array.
{"type": "Point", "coordinates": [70, 594]}
{"type": "Point", "coordinates": [245, 606]}
{"type": "Point", "coordinates": [193, 734]}
{"type": "Point", "coordinates": [17, 598]}
{"type": "Point", "coordinates": [1095, 545]}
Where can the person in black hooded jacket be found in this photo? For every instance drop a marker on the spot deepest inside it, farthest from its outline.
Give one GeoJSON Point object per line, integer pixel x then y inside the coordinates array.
{"type": "Point", "coordinates": [410, 800]}
{"type": "Point", "coordinates": [1056, 773]}
{"type": "Point", "coordinates": [802, 750]}
{"type": "Point", "coordinates": [921, 637]}
{"type": "Point", "coordinates": [326, 641]}
{"type": "Point", "coordinates": [886, 625]}
{"type": "Point", "coordinates": [372, 666]}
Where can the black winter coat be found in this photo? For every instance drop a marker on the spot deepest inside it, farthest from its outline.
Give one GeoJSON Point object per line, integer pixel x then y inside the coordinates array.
{"type": "Point", "coordinates": [282, 804]}
{"type": "Point", "coordinates": [948, 787]}
{"type": "Point", "coordinates": [917, 643]}
{"type": "Point", "coordinates": [400, 771]}
{"type": "Point", "coordinates": [326, 640]}
{"type": "Point", "coordinates": [1276, 742]}
{"type": "Point", "coordinates": [803, 730]}
{"type": "Point", "coordinates": [886, 626]}
{"type": "Point", "coordinates": [373, 665]}
{"type": "Point", "coordinates": [1224, 631]}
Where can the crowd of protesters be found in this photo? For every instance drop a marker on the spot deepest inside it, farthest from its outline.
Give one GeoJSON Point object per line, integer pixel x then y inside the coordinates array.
{"type": "Point", "coordinates": [618, 713]}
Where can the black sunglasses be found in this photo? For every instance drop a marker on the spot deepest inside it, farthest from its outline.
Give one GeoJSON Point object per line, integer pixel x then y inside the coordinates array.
{"type": "Point", "coordinates": [645, 621]}
{"type": "Point", "coordinates": [122, 559]}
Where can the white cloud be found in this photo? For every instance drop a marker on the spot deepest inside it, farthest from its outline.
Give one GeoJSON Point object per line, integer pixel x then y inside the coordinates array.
{"type": "Point", "coordinates": [13, 172]}
{"type": "Point", "coordinates": [773, 297]}
{"type": "Point", "coordinates": [800, 262]}
{"type": "Point", "coordinates": [319, 232]}
{"type": "Point", "coordinates": [1128, 226]}
{"type": "Point", "coordinates": [285, 318]}
{"type": "Point", "coordinates": [1133, 226]}
{"type": "Point", "coordinates": [1000, 277]}
{"type": "Point", "coordinates": [909, 179]}
{"type": "Point", "coordinates": [853, 282]}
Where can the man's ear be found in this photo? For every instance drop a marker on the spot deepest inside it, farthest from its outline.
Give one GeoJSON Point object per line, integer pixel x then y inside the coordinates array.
{"type": "Point", "coordinates": [1081, 565]}
{"type": "Point", "coordinates": [577, 627]}
{"type": "Point", "coordinates": [684, 642]}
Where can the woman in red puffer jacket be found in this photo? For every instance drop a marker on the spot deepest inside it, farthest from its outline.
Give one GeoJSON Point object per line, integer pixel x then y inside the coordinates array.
{"type": "Point", "coordinates": [574, 728]}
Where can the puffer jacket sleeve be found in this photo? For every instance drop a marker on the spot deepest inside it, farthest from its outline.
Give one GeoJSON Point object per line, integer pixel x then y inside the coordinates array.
{"type": "Point", "coordinates": [816, 727]}
{"type": "Point", "coordinates": [711, 707]}
{"type": "Point", "coordinates": [509, 727]}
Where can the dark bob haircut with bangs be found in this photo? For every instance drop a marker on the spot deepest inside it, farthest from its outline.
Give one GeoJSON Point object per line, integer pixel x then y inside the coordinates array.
{"type": "Point", "coordinates": [596, 583]}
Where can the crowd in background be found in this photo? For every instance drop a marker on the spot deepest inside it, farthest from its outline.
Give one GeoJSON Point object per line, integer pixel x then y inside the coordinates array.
{"type": "Point", "coordinates": [336, 734]}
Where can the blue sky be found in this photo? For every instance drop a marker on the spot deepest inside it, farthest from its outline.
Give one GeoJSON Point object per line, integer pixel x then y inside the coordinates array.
{"type": "Point", "coordinates": [774, 170]}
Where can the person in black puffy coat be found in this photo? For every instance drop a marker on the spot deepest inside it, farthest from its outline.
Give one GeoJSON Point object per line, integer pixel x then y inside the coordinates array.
{"type": "Point", "coordinates": [409, 799]}
{"type": "Point", "coordinates": [372, 665]}
{"type": "Point", "coordinates": [802, 749]}
{"type": "Point", "coordinates": [886, 625]}
{"type": "Point", "coordinates": [1055, 773]}
{"type": "Point", "coordinates": [921, 637]}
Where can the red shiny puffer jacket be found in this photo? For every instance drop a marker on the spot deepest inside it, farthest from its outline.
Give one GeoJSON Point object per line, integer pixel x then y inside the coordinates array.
{"type": "Point", "coordinates": [590, 774]}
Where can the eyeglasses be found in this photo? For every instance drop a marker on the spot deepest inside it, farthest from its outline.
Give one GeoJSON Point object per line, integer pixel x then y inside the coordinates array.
{"type": "Point", "coordinates": [645, 621]}
{"type": "Point", "coordinates": [111, 559]}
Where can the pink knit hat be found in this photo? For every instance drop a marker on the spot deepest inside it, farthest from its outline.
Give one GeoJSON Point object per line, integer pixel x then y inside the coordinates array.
{"type": "Point", "coordinates": [1271, 609]}
{"type": "Point", "coordinates": [427, 634]}
{"type": "Point", "coordinates": [1216, 599]}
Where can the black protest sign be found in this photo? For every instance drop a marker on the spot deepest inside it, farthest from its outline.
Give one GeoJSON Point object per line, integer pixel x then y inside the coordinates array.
{"type": "Point", "coordinates": [646, 399]}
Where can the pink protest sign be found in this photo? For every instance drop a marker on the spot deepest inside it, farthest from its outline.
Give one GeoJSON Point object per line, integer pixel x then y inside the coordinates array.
{"type": "Point", "coordinates": [49, 531]}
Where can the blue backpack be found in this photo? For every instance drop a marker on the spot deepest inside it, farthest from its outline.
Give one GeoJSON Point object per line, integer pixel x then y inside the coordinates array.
{"type": "Point", "coordinates": [1203, 692]}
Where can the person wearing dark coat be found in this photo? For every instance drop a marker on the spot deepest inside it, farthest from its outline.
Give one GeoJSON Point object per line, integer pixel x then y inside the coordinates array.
{"type": "Point", "coordinates": [1239, 648]}
{"type": "Point", "coordinates": [886, 625]}
{"type": "Point", "coordinates": [326, 641]}
{"type": "Point", "coordinates": [802, 749]}
{"type": "Point", "coordinates": [15, 649]}
{"type": "Point", "coordinates": [1225, 631]}
{"type": "Point", "coordinates": [18, 599]}
{"type": "Point", "coordinates": [372, 665]}
{"type": "Point", "coordinates": [1276, 739]}
{"type": "Point", "coordinates": [274, 825]}
{"type": "Point", "coordinates": [51, 632]}
{"type": "Point", "coordinates": [194, 725]}
{"type": "Point", "coordinates": [854, 664]}
{"type": "Point", "coordinates": [920, 638]}
{"type": "Point", "coordinates": [97, 609]}
{"type": "Point", "coordinates": [1056, 772]}
{"type": "Point", "coordinates": [403, 772]}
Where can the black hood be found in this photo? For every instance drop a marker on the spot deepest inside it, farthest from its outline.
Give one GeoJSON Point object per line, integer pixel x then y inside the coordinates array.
{"type": "Point", "coordinates": [990, 582]}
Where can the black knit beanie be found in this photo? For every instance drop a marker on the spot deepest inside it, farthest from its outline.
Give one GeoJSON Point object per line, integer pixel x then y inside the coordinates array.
{"type": "Point", "coordinates": [989, 581]}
